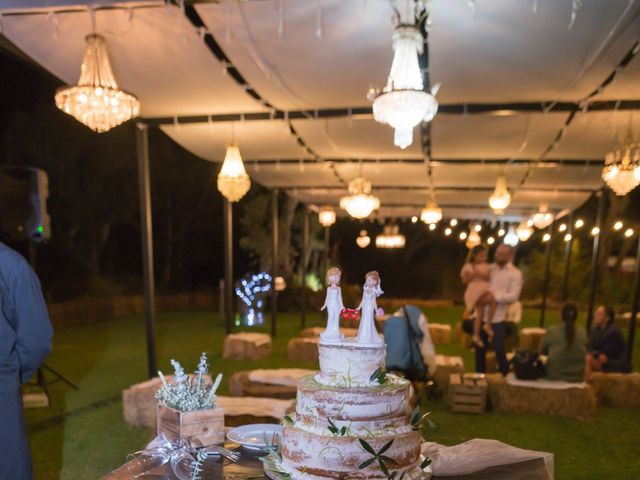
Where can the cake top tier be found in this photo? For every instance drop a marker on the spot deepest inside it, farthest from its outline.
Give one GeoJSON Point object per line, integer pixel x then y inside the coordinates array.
{"type": "Point", "coordinates": [350, 364]}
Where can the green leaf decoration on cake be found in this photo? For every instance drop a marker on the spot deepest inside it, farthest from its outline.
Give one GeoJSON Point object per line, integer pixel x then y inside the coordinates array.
{"type": "Point", "coordinates": [417, 421]}
{"type": "Point", "coordinates": [383, 460]}
{"type": "Point", "coordinates": [287, 420]}
{"type": "Point", "coordinates": [425, 463]}
{"type": "Point", "coordinates": [379, 375]}
{"type": "Point", "coordinates": [335, 430]}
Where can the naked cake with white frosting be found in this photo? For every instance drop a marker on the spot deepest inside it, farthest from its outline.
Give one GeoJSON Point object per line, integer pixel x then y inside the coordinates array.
{"type": "Point", "coordinates": [352, 419]}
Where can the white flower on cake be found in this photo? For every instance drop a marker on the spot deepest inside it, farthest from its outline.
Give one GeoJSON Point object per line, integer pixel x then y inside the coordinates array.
{"type": "Point", "coordinates": [333, 304]}
{"type": "Point", "coordinates": [367, 332]}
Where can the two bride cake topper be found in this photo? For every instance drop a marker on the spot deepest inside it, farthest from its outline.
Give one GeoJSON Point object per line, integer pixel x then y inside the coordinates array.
{"type": "Point", "coordinates": [368, 307]}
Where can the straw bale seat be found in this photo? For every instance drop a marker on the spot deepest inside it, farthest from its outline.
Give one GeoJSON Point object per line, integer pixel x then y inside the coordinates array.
{"type": "Point", "coordinates": [445, 366]}
{"type": "Point", "coordinates": [271, 383]}
{"type": "Point", "coordinates": [246, 346]}
{"type": "Point", "coordinates": [303, 349]}
{"type": "Point", "coordinates": [617, 389]}
{"type": "Point", "coordinates": [316, 331]}
{"type": "Point", "coordinates": [531, 338]}
{"type": "Point", "coordinates": [541, 396]}
{"type": "Point", "coordinates": [440, 333]}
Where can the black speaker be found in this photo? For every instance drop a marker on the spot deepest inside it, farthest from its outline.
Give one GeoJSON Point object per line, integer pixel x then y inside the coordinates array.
{"type": "Point", "coordinates": [23, 203]}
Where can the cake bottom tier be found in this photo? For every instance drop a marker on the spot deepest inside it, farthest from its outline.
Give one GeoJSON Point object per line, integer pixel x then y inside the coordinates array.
{"type": "Point", "coordinates": [307, 455]}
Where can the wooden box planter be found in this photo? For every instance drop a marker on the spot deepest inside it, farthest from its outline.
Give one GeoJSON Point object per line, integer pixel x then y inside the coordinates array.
{"type": "Point", "coordinates": [200, 428]}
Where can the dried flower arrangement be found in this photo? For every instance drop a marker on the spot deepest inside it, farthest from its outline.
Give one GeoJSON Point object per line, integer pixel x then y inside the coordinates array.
{"type": "Point", "coordinates": [189, 393]}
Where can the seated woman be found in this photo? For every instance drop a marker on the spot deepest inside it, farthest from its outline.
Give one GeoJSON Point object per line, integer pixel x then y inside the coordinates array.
{"type": "Point", "coordinates": [607, 348]}
{"type": "Point", "coordinates": [566, 347]}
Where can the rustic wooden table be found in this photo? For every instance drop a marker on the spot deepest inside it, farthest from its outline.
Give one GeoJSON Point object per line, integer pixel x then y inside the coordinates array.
{"type": "Point", "coordinates": [250, 468]}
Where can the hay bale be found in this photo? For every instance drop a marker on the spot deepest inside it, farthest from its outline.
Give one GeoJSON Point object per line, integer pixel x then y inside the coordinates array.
{"type": "Point", "coordinates": [139, 403]}
{"type": "Point", "coordinates": [316, 331]}
{"type": "Point", "coordinates": [531, 338]}
{"type": "Point", "coordinates": [617, 389]}
{"type": "Point", "coordinates": [246, 346]}
{"type": "Point", "coordinates": [445, 366]}
{"type": "Point", "coordinates": [577, 403]}
{"type": "Point", "coordinates": [241, 386]}
{"type": "Point", "coordinates": [303, 349]}
{"type": "Point", "coordinates": [440, 333]}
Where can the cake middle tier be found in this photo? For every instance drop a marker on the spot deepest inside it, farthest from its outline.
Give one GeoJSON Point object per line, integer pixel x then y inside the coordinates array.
{"type": "Point", "coordinates": [391, 399]}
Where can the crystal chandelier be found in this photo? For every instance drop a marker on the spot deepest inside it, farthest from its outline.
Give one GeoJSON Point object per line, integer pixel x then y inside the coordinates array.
{"type": "Point", "coordinates": [622, 168]}
{"type": "Point", "coordinates": [543, 218]}
{"type": "Point", "coordinates": [524, 231]}
{"type": "Point", "coordinates": [327, 216]}
{"type": "Point", "coordinates": [359, 203]}
{"type": "Point", "coordinates": [363, 239]}
{"type": "Point", "coordinates": [96, 100]}
{"type": "Point", "coordinates": [431, 213]}
{"type": "Point", "coordinates": [501, 198]}
{"type": "Point", "coordinates": [390, 237]}
{"type": "Point", "coordinates": [403, 103]}
{"type": "Point", "coordinates": [233, 181]}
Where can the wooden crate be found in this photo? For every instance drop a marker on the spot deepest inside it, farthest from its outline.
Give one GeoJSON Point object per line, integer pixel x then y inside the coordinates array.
{"type": "Point", "coordinates": [200, 428]}
{"type": "Point", "coordinates": [467, 395]}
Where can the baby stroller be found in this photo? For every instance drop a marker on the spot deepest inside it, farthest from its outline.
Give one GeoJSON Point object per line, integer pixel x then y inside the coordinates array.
{"type": "Point", "coordinates": [403, 336]}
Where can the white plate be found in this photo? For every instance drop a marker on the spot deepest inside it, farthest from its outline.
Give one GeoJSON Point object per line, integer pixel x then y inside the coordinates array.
{"type": "Point", "coordinates": [252, 436]}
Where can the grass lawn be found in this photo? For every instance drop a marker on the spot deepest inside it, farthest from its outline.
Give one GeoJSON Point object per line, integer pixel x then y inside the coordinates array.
{"type": "Point", "coordinates": [83, 434]}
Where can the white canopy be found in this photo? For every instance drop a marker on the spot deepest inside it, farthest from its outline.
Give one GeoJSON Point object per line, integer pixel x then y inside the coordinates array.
{"type": "Point", "coordinates": [193, 66]}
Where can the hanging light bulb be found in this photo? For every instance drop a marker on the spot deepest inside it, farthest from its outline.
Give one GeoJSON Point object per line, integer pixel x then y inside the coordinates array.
{"type": "Point", "coordinates": [568, 237]}
{"type": "Point", "coordinates": [326, 216]}
{"type": "Point", "coordinates": [511, 238]}
{"type": "Point", "coordinates": [501, 198]}
{"type": "Point", "coordinates": [546, 237]}
{"type": "Point", "coordinates": [363, 239]}
{"type": "Point", "coordinates": [501, 232]}
{"type": "Point", "coordinates": [491, 241]}
{"type": "Point", "coordinates": [543, 218]}
{"type": "Point", "coordinates": [233, 181]}
{"type": "Point", "coordinates": [453, 222]}
{"type": "Point", "coordinates": [628, 232]}
{"type": "Point", "coordinates": [432, 226]}
{"type": "Point", "coordinates": [595, 231]}
{"type": "Point", "coordinates": [562, 227]}
{"type": "Point", "coordinates": [403, 103]}
{"type": "Point", "coordinates": [359, 203]}
{"type": "Point", "coordinates": [414, 219]}
{"type": "Point", "coordinates": [473, 239]}
{"type": "Point", "coordinates": [477, 227]}
{"type": "Point", "coordinates": [431, 213]}
{"type": "Point", "coordinates": [618, 225]}
{"type": "Point", "coordinates": [579, 224]}
{"type": "Point", "coordinates": [447, 231]}
{"type": "Point", "coordinates": [463, 235]}
{"type": "Point", "coordinates": [96, 100]}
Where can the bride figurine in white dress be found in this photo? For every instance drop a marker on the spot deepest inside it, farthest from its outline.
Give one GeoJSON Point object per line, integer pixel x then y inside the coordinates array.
{"type": "Point", "coordinates": [333, 304]}
{"type": "Point", "coordinates": [367, 332]}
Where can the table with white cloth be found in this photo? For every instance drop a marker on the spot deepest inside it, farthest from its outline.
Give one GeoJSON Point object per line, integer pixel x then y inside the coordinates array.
{"type": "Point", "coordinates": [474, 460]}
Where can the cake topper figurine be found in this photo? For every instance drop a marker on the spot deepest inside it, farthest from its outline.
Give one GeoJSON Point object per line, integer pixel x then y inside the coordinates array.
{"type": "Point", "coordinates": [367, 332]}
{"type": "Point", "coordinates": [333, 304]}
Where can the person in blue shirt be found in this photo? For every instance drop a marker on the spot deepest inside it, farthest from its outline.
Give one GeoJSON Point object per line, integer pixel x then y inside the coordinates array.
{"type": "Point", "coordinates": [25, 340]}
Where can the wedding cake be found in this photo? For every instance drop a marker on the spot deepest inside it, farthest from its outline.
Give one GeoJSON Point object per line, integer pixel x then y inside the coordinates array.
{"type": "Point", "coordinates": [352, 418]}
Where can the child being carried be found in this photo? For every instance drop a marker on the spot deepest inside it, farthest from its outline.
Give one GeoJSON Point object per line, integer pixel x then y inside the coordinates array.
{"type": "Point", "coordinates": [477, 296]}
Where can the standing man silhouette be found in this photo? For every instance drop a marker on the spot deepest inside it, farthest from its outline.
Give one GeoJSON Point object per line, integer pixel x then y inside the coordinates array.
{"type": "Point", "coordinates": [25, 340]}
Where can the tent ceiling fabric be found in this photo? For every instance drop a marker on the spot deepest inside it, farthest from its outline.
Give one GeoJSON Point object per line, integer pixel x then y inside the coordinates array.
{"type": "Point", "coordinates": [504, 53]}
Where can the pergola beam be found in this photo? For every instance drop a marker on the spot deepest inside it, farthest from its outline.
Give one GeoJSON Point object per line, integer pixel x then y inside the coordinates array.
{"type": "Point", "coordinates": [549, 163]}
{"type": "Point", "coordinates": [499, 109]}
{"type": "Point", "coordinates": [405, 188]}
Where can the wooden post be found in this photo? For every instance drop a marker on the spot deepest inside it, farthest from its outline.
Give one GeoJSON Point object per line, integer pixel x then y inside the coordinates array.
{"type": "Point", "coordinates": [303, 270]}
{"type": "Point", "coordinates": [634, 306]}
{"type": "Point", "coordinates": [228, 265]}
{"type": "Point", "coordinates": [594, 260]}
{"type": "Point", "coordinates": [274, 227]}
{"type": "Point", "coordinates": [144, 193]}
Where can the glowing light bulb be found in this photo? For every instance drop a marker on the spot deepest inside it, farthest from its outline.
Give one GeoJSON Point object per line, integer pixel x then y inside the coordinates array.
{"type": "Point", "coordinates": [463, 235]}
{"type": "Point", "coordinates": [562, 227]}
{"type": "Point", "coordinates": [491, 240]}
{"type": "Point", "coordinates": [618, 225]}
{"type": "Point", "coordinates": [595, 231]}
{"type": "Point", "coordinates": [447, 231]}
{"type": "Point", "coordinates": [628, 232]}
{"type": "Point", "coordinates": [414, 219]}
{"type": "Point", "coordinates": [579, 223]}
{"type": "Point", "coordinates": [567, 237]}
{"type": "Point", "coordinates": [453, 222]}
{"type": "Point", "coordinates": [432, 226]}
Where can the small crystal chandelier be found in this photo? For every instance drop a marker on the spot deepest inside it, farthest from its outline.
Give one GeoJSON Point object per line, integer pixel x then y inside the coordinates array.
{"type": "Point", "coordinates": [390, 237]}
{"type": "Point", "coordinates": [96, 100]}
{"type": "Point", "coordinates": [327, 216]}
{"type": "Point", "coordinates": [511, 238]}
{"type": "Point", "coordinates": [431, 213]}
{"type": "Point", "coordinates": [501, 198]}
{"type": "Point", "coordinates": [363, 239]}
{"type": "Point", "coordinates": [473, 239]}
{"type": "Point", "coordinates": [233, 181]}
{"type": "Point", "coordinates": [403, 103]}
{"type": "Point", "coordinates": [622, 168]}
{"type": "Point", "coordinates": [524, 231]}
{"type": "Point", "coordinates": [543, 218]}
{"type": "Point", "coordinates": [359, 203]}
